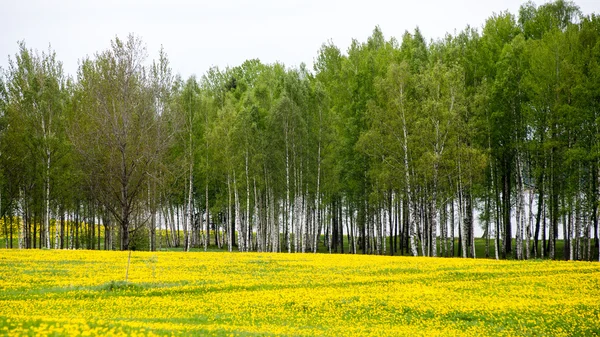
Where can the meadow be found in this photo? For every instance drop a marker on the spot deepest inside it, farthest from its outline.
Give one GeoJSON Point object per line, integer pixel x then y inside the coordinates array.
{"type": "Point", "coordinates": [55, 293]}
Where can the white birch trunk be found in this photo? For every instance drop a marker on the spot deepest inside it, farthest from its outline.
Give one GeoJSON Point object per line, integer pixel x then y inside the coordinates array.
{"type": "Point", "coordinates": [47, 186]}
{"type": "Point", "coordinates": [353, 227]}
{"type": "Point", "coordinates": [287, 193]}
{"type": "Point", "coordinates": [188, 220]}
{"type": "Point", "coordinates": [230, 232]}
{"type": "Point", "coordinates": [518, 213]}
{"type": "Point", "coordinates": [329, 230]}
{"type": "Point", "coordinates": [444, 231]}
{"type": "Point", "coordinates": [529, 226]}
{"type": "Point", "coordinates": [300, 208]}
{"type": "Point", "coordinates": [269, 220]}
{"type": "Point", "coordinates": [299, 222]}
{"type": "Point", "coordinates": [421, 228]}
{"type": "Point", "coordinates": [472, 226]}
{"type": "Point", "coordinates": [23, 226]}
{"type": "Point", "coordinates": [238, 226]}
{"type": "Point", "coordinates": [206, 220]}
{"type": "Point", "coordinates": [412, 226]}
{"type": "Point", "coordinates": [274, 223]}
{"type": "Point", "coordinates": [161, 219]}
{"type": "Point", "coordinates": [588, 253]}
{"type": "Point", "coordinates": [496, 232]}
{"type": "Point", "coordinates": [487, 225]}
{"type": "Point", "coordinates": [46, 131]}
{"type": "Point", "coordinates": [577, 253]}
{"type": "Point", "coordinates": [438, 150]}
{"type": "Point", "coordinates": [57, 235]}
{"type": "Point", "coordinates": [384, 230]}
{"type": "Point", "coordinates": [462, 223]}
{"type": "Point", "coordinates": [269, 224]}
{"type": "Point", "coordinates": [571, 231]}
{"type": "Point", "coordinates": [248, 242]}
{"type": "Point", "coordinates": [550, 247]}
{"type": "Point", "coordinates": [72, 232]}
{"type": "Point", "coordinates": [318, 196]}
{"type": "Point", "coordinates": [578, 217]}
{"type": "Point", "coordinates": [377, 231]}
{"type": "Point", "coordinates": [543, 219]}
{"type": "Point", "coordinates": [303, 224]}
{"type": "Point", "coordinates": [295, 222]}
{"type": "Point", "coordinates": [434, 213]}
{"type": "Point", "coordinates": [6, 234]}
{"type": "Point", "coordinates": [521, 207]}
{"type": "Point", "coordinates": [461, 212]}
{"type": "Point", "coordinates": [257, 223]}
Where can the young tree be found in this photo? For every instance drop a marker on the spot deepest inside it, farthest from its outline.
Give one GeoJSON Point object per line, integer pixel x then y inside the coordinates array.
{"type": "Point", "coordinates": [114, 129]}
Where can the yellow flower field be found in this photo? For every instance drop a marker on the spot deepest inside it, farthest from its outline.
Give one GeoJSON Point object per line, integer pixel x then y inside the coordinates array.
{"type": "Point", "coordinates": [83, 293]}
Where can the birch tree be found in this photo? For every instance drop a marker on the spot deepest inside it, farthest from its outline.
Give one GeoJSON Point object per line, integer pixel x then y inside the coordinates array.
{"type": "Point", "coordinates": [115, 124]}
{"type": "Point", "coordinates": [35, 96]}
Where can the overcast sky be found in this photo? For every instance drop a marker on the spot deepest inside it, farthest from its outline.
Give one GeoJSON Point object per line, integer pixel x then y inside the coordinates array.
{"type": "Point", "coordinates": [199, 34]}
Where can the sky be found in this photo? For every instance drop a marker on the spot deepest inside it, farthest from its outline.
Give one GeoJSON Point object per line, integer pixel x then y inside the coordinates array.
{"type": "Point", "coordinates": [197, 35]}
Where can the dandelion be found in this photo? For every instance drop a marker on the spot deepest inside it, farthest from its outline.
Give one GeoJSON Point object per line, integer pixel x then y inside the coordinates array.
{"type": "Point", "coordinates": [222, 294]}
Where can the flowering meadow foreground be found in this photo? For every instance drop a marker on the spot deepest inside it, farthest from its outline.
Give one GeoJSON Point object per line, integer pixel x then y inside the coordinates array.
{"type": "Point", "coordinates": [174, 293]}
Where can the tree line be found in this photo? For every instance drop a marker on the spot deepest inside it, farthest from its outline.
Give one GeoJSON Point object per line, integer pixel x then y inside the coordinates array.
{"type": "Point", "coordinates": [396, 146]}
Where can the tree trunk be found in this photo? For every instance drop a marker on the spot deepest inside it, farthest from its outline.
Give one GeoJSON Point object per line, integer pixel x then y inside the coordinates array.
{"type": "Point", "coordinates": [538, 220]}
{"type": "Point", "coordinates": [412, 226]}
{"type": "Point", "coordinates": [190, 212]}
{"type": "Point", "coordinates": [506, 209]}
{"type": "Point", "coordinates": [241, 238]}
{"type": "Point", "coordinates": [207, 227]}
{"type": "Point", "coordinates": [11, 217]}
{"type": "Point", "coordinates": [248, 227]}
{"type": "Point", "coordinates": [529, 226]}
{"type": "Point", "coordinates": [520, 209]}
{"type": "Point", "coordinates": [230, 225]}
{"type": "Point", "coordinates": [498, 217]}
{"type": "Point", "coordinates": [461, 211]}
{"type": "Point", "coordinates": [470, 221]}
{"type": "Point", "coordinates": [257, 224]}
{"type": "Point", "coordinates": [62, 230]}
{"type": "Point", "coordinates": [390, 201]}
{"type": "Point", "coordinates": [287, 193]}
{"type": "Point", "coordinates": [23, 229]}
{"type": "Point", "coordinates": [72, 233]}
{"type": "Point", "coordinates": [434, 212]}
{"type": "Point", "coordinates": [57, 234]}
